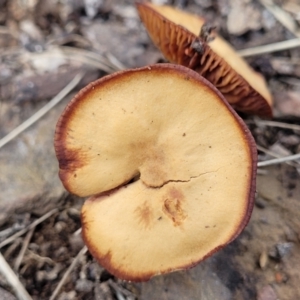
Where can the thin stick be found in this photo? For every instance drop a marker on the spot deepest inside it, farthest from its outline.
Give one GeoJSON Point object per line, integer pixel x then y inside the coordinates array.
{"type": "Point", "coordinates": [274, 124]}
{"type": "Point", "coordinates": [106, 64]}
{"type": "Point", "coordinates": [31, 226]}
{"type": "Point", "coordinates": [23, 249]}
{"type": "Point", "coordinates": [78, 231]}
{"type": "Point", "coordinates": [262, 172]}
{"type": "Point", "coordinates": [68, 272]}
{"type": "Point", "coordinates": [13, 280]}
{"type": "Point", "coordinates": [267, 151]}
{"type": "Point", "coordinates": [291, 81]}
{"type": "Point", "coordinates": [116, 286]}
{"type": "Point", "coordinates": [278, 160]}
{"type": "Point", "coordinates": [115, 62]}
{"type": "Point", "coordinates": [88, 58]}
{"type": "Point", "coordinates": [81, 56]}
{"type": "Point", "coordinates": [119, 295]}
{"type": "Point", "coordinates": [282, 16]}
{"type": "Point", "coordinates": [40, 113]}
{"type": "Point", "coordinates": [273, 154]}
{"type": "Point", "coordinates": [280, 46]}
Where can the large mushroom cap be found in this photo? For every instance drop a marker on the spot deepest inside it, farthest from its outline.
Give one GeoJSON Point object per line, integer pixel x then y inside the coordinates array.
{"type": "Point", "coordinates": [174, 32]}
{"type": "Point", "coordinates": [170, 164]}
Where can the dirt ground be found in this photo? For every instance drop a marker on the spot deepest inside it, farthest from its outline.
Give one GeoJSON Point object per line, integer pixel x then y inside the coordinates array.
{"type": "Point", "coordinates": [44, 45]}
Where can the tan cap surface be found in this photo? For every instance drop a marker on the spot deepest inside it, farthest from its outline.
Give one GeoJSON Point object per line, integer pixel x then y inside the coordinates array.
{"type": "Point", "coordinates": [174, 31]}
{"type": "Point", "coordinates": [192, 159]}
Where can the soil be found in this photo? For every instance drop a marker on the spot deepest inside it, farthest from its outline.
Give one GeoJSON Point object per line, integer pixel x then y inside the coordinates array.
{"type": "Point", "coordinates": [262, 263]}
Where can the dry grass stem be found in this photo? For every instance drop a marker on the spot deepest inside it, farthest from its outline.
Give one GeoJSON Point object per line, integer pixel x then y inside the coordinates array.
{"type": "Point", "coordinates": [282, 16]}
{"type": "Point", "coordinates": [10, 230]}
{"type": "Point", "coordinates": [270, 48]}
{"type": "Point", "coordinates": [40, 113]}
{"type": "Point", "coordinates": [274, 124]}
{"type": "Point", "coordinates": [40, 259]}
{"type": "Point", "coordinates": [23, 249]}
{"type": "Point", "coordinates": [291, 81]}
{"type": "Point", "coordinates": [289, 60]}
{"type": "Point", "coordinates": [31, 226]}
{"type": "Point", "coordinates": [68, 272]}
{"type": "Point", "coordinates": [278, 160]}
{"type": "Point", "coordinates": [6, 30]}
{"type": "Point", "coordinates": [85, 57]}
{"type": "Point", "coordinates": [11, 51]}
{"type": "Point", "coordinates": [273, 154]}
{"type": "Point", "coordinates": [13, 247]}
{"type": "Point", "coordinates": [91, 57]}
{"type": "Point", "coordinates": [71, 38]}
{"type": "Point", "coordinates": [262, 172]}
{"type": "Point", "coordinates": [78, 231]}
{"type": "Point", "coordinates": [13, 280]}
{"type": "Point", "coordinates": [115, 62]}
{"type": "Point", "coordinates": [120, 289]}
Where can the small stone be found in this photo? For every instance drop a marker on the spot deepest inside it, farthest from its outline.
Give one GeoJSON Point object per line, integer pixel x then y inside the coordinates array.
{"type": "Point", "coordinates": [290, 140]}
{"type": "Point", "coordinates": [74, 213]}
{"type": "Point", "coordinates": [60, 226]}
{"type": "Point", "coordinates": [291, 236]}
{"type": "Point", "coordinates": [278, 277]}
{"type": "Point", "coordinates": [266, 293]}
{"type": "Point", "coordinates": [63, 216]}
{"type": "Point", "coordinates": [284, 248]}
{"type": "Point", "coordinates": [273, 253]}
{"type": "Point", "coordinates": [280, 150]}
{"type": "Point", "coordinates": [260, 202]}
{"type": "Point", "coordinates": [102, 291]}
{"type": "Point", "coordinates": [84, 285]}
{"type": "Point", "coordinates": [76, 242]}
{"type": "Point", "coordinates": [243, 17]}
{"type": "Point", "coordinates": [280, 250]}
{"type": "Point", "coordinates": [67, 296]}
{"type": "Point", "coordinates": [92, 7]}
{"type": "Point", "coordinates": [204, 3]}
{"type": "Point", "coordinates": [94, 271]}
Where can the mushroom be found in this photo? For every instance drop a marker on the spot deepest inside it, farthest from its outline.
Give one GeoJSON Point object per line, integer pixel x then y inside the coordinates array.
{"type": "Point", "coordinates": [169, 165]}
{"type": "Point", "coordinates": [176, 34]}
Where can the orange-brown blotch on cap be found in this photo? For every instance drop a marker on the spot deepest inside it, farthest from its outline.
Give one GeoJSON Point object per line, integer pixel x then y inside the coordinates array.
{"type": "Point", "coordinates": [169, 165]}
{"type": "Point", "coordinates": [176, 34]}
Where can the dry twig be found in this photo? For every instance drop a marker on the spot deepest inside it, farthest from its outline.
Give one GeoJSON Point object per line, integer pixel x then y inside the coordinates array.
{"type": "Point", "coordinates": [31, 226]}
{"type": "Point", "coordinates": [23, 249]}
{"type": "Point", "coordinates": [92, 58]}
{"type": "Point", "coordinates": [115, 62]}
{"type": "Point", "coordinates": [13, 280]}
{"type": "Point", "coordinates": [40, 113]}
{"type": "Point", "coordinates": [120, 290]}
{"type": "Point", "coordinates": [278, 160]}
{"type": "Point", "coordinates": [273, 154]}
{"type": "Point", "coordinates": [282, 16]}
{"type": "Point", "coordinates": [274, 124]}
{"type": "Point", "coordinates": [68, 272]}
{"type": "Point", "coordinates": [287, 21]}
{"type": "Point", "coordinates": [275, 47]}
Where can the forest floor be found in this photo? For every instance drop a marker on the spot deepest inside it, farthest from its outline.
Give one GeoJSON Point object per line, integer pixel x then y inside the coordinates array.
{"type": "Point", "coordinates": [49, 46]}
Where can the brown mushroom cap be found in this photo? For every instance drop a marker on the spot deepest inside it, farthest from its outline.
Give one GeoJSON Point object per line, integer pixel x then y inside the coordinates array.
{"type": "Point", "coordinates": [170, 164]}
{"type": "Point", "coordinates": [174, 31]}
